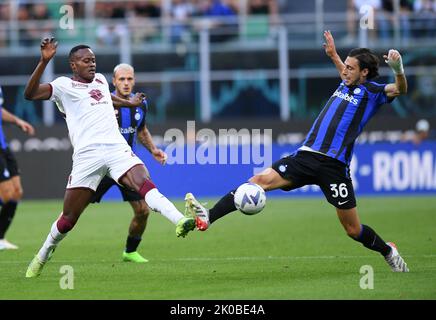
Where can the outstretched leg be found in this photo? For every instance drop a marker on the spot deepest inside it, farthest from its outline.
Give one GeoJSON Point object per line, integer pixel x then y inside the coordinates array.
{"type": "Point", "coordinates": [268, 179]}
{"type": "Point", "coordinates": [370, 239]}
{"type": "Point", "coordinates": [137, 178]}
{"type": "Point", "coordinates": [75, 201]}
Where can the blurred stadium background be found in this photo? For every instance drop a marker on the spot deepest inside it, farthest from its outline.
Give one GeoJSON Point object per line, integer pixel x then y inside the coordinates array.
{"type": "Point", "coordinates": [255, 64]}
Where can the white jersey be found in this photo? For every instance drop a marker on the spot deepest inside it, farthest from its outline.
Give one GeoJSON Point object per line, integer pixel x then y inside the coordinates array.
{"type": "Point", "coordinates": [89, 111]}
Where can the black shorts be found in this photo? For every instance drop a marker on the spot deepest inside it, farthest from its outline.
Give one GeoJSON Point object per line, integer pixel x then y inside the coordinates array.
{"type": "Point", "coordinates": [107, 183]}
{"type": "Point", "coordinates": [8, 165]}
{"type": "Point", "coordinates": [331, 175]}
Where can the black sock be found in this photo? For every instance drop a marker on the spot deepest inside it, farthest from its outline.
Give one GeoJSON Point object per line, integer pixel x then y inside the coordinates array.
{"type": "Point", "coordinates": [132, 243]}
{"type": "Point", "coordinates": [373, 241]}
{"type": "Point", "coordinates": [7, 213]}
{"type": "Point", "coordinates": [224, 206]}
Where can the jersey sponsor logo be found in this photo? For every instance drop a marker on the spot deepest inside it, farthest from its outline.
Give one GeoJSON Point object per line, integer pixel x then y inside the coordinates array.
{"type": "Point", "coordinates": [101, 102]}
{"type": "Point", "coordinates": [345, 97]}
{"type": "Point", "coordinates": [128, 130]}
{"type": "Point", "coordinates": [96, 94]}
{"type": "Point", "coordinates": [79, 85]}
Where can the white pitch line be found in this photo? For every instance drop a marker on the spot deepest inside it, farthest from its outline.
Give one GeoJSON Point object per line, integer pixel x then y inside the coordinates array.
{"type": "Point", "coordinates": [234, 259]}
{"type": "Point", "coordinates": [285, 258]}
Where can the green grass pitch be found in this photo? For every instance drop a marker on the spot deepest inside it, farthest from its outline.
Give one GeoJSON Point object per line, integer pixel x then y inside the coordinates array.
{"type": "Point", "coordinates": [294, 249]}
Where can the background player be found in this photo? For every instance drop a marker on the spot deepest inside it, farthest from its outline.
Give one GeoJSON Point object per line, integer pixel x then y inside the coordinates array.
{"type": "Point", "coordinates": [11, 190]}
{"type": "Point", "coordinates": [326, 153]}
{"type": "Point", "coordinates": [132, 126]}
{"type": "Point", "coordinates": [99, 148]}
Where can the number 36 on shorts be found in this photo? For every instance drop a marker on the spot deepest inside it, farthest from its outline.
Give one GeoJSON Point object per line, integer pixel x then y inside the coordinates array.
{"type": "Point", "coordinates": [339, 190]}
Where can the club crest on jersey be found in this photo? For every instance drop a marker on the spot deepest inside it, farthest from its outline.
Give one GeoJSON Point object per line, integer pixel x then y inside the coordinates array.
{"type": "Point", "coordinates": [6, 173]}
{"type": "Point", "coordinates": [96, 94]}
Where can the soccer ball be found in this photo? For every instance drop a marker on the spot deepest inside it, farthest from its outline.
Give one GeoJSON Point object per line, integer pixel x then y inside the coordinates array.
{"type": "Point", "coordinates": [250, 198]}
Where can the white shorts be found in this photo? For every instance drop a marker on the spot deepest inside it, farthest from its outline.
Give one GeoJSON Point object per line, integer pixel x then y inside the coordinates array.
{"type": "Point", "coordinates": [92, 163]}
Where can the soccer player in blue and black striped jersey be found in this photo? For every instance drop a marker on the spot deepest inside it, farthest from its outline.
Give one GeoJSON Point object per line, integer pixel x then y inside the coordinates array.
{"type": "Point", "coordinates": [11, 190]}
{"type": "Point", "coordinates": [132, 126]}
{"type": "Point", "coordinates": [326, 152]}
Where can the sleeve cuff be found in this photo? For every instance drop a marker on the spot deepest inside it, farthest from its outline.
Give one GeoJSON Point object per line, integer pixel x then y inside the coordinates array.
{"type": "Point", "coordinates": [51, 91]}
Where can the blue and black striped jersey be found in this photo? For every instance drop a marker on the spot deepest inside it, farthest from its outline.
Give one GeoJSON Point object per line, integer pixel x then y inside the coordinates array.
{"type": "Point", "coordinates": [343, 118]}
{"type": "Point", "coordinates": [130, 120]}
{"type": "Point", "coordinates": [3, 144]}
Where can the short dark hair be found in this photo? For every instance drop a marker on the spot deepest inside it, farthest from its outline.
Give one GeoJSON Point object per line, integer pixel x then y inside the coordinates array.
{"type": "Point", "coordinates": [77, 48]}
{"type": "Point", "coordinates": [367, 60]}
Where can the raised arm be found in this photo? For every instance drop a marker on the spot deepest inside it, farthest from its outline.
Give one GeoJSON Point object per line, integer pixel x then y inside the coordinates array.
{"type": "Point", "coordinates": [34, 89]}
{"type": "Point", "coordinates": [393, 59]}
{"type": "Point", "coordinates": [330, 50]}
{"type": "Point", "coordinates": [23, 125]}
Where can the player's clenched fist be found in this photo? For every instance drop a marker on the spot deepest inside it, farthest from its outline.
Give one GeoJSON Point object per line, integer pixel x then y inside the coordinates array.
{"type": "Point", "coordinates": [48, 48]}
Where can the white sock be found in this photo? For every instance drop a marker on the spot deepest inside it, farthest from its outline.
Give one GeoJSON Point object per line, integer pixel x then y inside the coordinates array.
{"type": "Point", "coordinates": [51, 242]}
{"type": "Point", "coordinates": [158, 202]}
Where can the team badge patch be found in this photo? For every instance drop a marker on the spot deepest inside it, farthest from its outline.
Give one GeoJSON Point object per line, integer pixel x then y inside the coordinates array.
{"type": "Point", "coordinates": [96, 94]}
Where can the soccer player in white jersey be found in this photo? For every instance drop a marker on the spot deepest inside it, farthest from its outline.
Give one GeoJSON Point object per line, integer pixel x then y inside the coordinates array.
{"type": "Point", "coordinates": [99, 147]}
